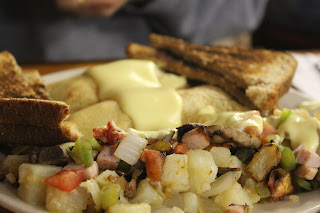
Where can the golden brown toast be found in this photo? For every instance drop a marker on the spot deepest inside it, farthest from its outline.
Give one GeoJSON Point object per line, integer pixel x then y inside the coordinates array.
{"type": "Point", "coordinates": [38, 136]}
{"type": "Point", "coordinates": [35, 112]}
{"type": "Point", "coordinates": [12, 81]}
{"type": "Point", "coordinates": [33, 79]}
{"type": "Point", "coordinates": [265, 75]}
{"type": "Point", "coordinates": [202, 103]}
{"type": "Point", "coordinates": [172, 64]}
{"type": "Point", "coordinates": [26, 117]}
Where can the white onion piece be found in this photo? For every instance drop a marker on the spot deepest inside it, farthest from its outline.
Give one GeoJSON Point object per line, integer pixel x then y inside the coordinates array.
{"type": "Point", "coordinates": [93, 188]}
{"type": "Point", "coordinates": [130, 148]}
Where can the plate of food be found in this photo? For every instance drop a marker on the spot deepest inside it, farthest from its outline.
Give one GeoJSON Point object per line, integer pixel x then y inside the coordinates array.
{"type": "Point", "coordinates": [128, 137]}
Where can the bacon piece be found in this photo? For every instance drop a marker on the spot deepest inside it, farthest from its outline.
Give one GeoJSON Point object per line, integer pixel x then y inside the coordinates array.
{"type": "Point", "coordinates": [88, 172]}
{"type": "Point", "coordinates": [305, 172]}
{"type": "Point", "coordinates": [110, 135]}
{"type": "Point", "coordinates": [106, 158]}
{"type": "Point", "coordinates": [235, 208]}
{"type": "Point", "coordinates": [306, 157]}
{"type": "Point", "coordinates": [196, 138]}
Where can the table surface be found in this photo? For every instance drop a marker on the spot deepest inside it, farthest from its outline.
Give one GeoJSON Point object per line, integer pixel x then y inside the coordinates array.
{"type": "Point", "coordinates": [49, 68]}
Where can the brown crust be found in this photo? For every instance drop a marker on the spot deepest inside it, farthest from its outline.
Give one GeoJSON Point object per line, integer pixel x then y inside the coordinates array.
{"type": "Point", "coordinates": [256, 68]}
{"type": "Point", "coordinates": [34, 112]}
{"type": "Point", "coordinates": [33, 79]}
{"type": "Point", "coordinates": [37, 136]}
{"type": "Point", "coordinates": [25, 118]}
{"type": "Point", "coordinates": [12, 82]}
{"type": "Point", "coordinates": [171, 64]}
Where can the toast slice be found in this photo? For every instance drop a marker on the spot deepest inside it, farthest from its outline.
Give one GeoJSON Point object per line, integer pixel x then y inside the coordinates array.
{"type": "Point", "coordinates": [38, 136]}
{"type": "Point", "coordinates": [35, 112]}
{"type": "Point", "coordinates": [172, 64]}
{"type": "Point", "coordinates": [26, 117]}
{"type": "Point", "coordinates": [33, 79]}
{"type": "Point", "coordinates": [13, 84]}
{"type": "Point", "coordinates": [265, 75]}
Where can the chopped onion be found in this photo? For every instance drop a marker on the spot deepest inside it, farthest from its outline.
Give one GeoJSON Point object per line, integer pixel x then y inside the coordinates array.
{"type": "Point", "coordinates": [130, 148]}
{"type": "Point", "coordinates": [93, 189]}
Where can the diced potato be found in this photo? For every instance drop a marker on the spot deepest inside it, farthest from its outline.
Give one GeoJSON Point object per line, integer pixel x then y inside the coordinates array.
{"type": "Point", "coordinates": [169, 210]}
{"type": "Point", "coordinates": [220, 156]}
{"type": "Point", "coordinates": [12, 162]}
{"type": "Point", "coordinates": [147, 194]}
{"type": "Point", "coordinates": [104, 177]}
{"type": "Point", "coordinates": [72, 202]}
{"type": "Point", "coordinates": [173, 200]}
{"type": "Point", "coordinates": [234, 162]}
{"type": "Point", "coordinates": [130, 208]}
{"type": "Point", "coordinates": [235, 195]}
{"type": "Point", "coordinates": [254, 197]}
{"type": "Point", "coordinates": [280, 184]}
{"type": "Point", "coordinates": [175, 173]}
{"type": "Point", "coordinates": [263, 162]}
{"type": "Point", "coordinates": [191, 202]}
{"type": "Point", "coordinates": [201, 169]}
{"type": "Point", "coordinates": [222, 183]}
{"type": "Point", "coordinates": [32, 189]}
{"type": "Point", "coordinates": [207, 205]}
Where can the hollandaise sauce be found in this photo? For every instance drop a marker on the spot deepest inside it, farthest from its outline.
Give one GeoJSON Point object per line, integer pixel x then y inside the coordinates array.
{"type": "Point", "coordinates": [144, 92]}
{"type": "Point", "coordinates": [300, 131]}
{"type": "Point", "coordinates": [239, 120]}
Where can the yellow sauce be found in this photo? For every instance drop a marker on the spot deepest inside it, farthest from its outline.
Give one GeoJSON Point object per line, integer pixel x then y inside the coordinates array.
{"type": "Point", "coordinates": [152, 108]}
{"type": "Point", "coordinates": [300, 131]}
{"type": "Point", "coordinates": [142, 90]}
{"type": "Point", "coordinates": [116, 77]}
{"type": "Point", "coordinates": [238, 120]}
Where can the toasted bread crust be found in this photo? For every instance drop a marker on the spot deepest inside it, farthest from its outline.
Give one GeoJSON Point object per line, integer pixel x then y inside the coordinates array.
{"type": "Point", "coordinates": [37, 136]}
{"type": "Point", "coordinates": [25, 117]}
{"type": "Point", "coordinates": [35, 112]}
{"type": "Point", "coordinates": [172, 64]}
{"type": "Point", "coordinates": [249, 69]}
{"type": "Point", "coordinates": [12, 82]}
{"type": "Point", "coordinates": [33, 79]}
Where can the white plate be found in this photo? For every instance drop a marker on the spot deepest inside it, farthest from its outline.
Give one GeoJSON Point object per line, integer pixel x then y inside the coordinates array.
{"type": "Point", "coordinates": [309, 202]}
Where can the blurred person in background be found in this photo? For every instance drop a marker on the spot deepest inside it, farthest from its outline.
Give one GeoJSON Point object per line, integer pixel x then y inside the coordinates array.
{"type": "Point", "coordinates": [290, 25]}
{"type": "Point", "coordinates": [38, 31]}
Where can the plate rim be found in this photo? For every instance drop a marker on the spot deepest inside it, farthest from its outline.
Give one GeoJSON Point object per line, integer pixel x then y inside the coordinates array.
{"type": "Point", "coordinates": [7, 202]}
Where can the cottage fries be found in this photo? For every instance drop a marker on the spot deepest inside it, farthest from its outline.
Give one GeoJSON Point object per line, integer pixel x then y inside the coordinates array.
{"type": "Point", "coordinates": [152, 144]}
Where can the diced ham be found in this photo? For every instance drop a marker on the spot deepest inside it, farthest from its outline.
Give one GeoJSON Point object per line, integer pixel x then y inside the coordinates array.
{"type": "Point", "coordinates": [235, 208]}
{"type": "Point", "coordinates": [196, 138]}
{"type": "Point", "coordinates": [88, 172]}
{"type": "Point", "coordinates": [305, 172]}
{"type": "Point", "coordinates": [106, 158]}
{"type": "Point", "coordinates": [307, 157]}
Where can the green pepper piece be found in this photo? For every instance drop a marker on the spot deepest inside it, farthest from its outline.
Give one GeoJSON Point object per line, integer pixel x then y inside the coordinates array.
{"type": "Point", "coordinates": [302, 183]}
{"type": "Point", "coordinates": [288, 160]}
{"type": "Point", "coordinates": [124, 166]}
{"type": "Point", "coordinates": [110, 195]}
{"type": "Point", "coordinates": [82, 153]}
{"type": "Point", "coordinates": [87, 156]}
{"type": "Point", "coordinates": [94, 143]}
{"type": "Point", "coordinates": [76, 152]}
{"type": "Point", "coordinates": [262, 190]}
{"type": "Point", "coordinates": [285, 113]}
